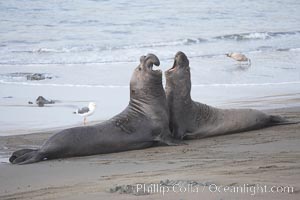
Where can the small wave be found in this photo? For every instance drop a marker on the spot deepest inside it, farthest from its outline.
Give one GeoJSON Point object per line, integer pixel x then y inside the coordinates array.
{"type": "Point", "coordinates": [270, 48]}
{"type": "Point", "coordinates": [62, 85]}
{"type": "Point", "coordinates": [126, 86]}
{"type": "Point", "coordinates": [288, 49]}
{"type": "Point", "coordinates": [48, 50]}
{"type": "Point", "coordinates": [20, 42]}
{"type": "Point", "coordinates": [78, 22]}
{"type": "Point", "coordinates": [91, 48]}
{"type": "Point", "coordinates": [186, 41]}
{"type": "Point", "coordinates": [105, 61]}
{"type": "Point", "coordinates": [245, 84]}
{"type": "Point", "coordinates": [51, 50]}
{"type": "Point", "coordinates": [256, 35]}
{"type": "Point", "coordinates": [179, 42]}
{"type": "Point", "coordinates": [294, 49]}
{"type": "Point", "coordinates": [26, 76]}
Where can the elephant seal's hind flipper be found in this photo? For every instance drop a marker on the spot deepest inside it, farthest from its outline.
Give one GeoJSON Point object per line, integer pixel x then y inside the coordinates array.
{"type": "Point", "coordinates": [19, 153]}
{"type": "Point", "coordinates": [276, 120]}
{"type": "Point", "coordinates": [30, 157]}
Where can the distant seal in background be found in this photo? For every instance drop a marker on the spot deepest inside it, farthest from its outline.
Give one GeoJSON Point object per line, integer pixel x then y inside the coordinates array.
{"type": "Point", "coordinates": [41, 101]}
{"type": "Point", "coordinates": [143, 123]}
{"type": "Point", "coordinates": [38, 77]}
{"type": "Point", "coordinates": [190, 119]}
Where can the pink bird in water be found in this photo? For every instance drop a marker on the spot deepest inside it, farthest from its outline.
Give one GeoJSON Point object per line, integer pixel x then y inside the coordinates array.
{"type": "Point", "coordinates": [239, 57]}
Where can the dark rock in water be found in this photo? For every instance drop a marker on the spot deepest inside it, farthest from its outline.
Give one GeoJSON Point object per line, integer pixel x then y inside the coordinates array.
{"type": "Point", "coordinates": [37, 77]}
{"type": "Point", "coordinates": [8, 97]}
{"type": "Point", "coordinates": [41, 101]}
{"type": "Point", "coordinates": [29, 102]}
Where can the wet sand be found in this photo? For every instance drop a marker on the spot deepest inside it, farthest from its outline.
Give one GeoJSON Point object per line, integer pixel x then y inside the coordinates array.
{"type": "Point", "coordinates": [267, 157]}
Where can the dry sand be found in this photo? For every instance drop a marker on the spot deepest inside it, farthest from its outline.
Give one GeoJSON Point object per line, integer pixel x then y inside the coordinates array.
{"type": "Point", "coordinates": [270, 157]}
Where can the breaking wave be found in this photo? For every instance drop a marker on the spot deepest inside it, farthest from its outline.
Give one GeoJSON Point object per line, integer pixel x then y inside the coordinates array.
{"type": "Point", "coordinates": [256, 35]}
{"type": "Point", "coordinates": [86, 54]}
{"type": "Point", "coordinates": [92, 48]}
{"type": "Point", "coordinates": [245, 84]}
{"type": "Point", "coordinates": [179, 42]}
{"type": "Point", "coordinates": [62, 85]}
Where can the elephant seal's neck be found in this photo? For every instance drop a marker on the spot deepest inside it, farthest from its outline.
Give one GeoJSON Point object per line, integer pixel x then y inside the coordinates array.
{"type": "Point", "coordinates": [148, 97]}
{"type": "Point", "coordinates": [178, 91]}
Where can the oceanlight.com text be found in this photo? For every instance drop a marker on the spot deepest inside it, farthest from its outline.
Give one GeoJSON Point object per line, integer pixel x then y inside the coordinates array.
{"type": "Point", "coordinates": [248, 189]}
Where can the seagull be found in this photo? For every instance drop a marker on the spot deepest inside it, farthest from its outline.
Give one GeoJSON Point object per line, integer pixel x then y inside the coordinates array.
{"type": "Point", "coordinates": [239, 57]}
{"type": "Point", "coordinates": [86, 111]}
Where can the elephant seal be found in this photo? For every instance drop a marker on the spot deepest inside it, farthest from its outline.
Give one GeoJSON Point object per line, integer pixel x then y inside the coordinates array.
{"type": "Point", "coordinates": [190, 119]}
{"type": "Point", "coordinates": [143, 123]}
{"type": "Point", "coordinates": [41, 101]}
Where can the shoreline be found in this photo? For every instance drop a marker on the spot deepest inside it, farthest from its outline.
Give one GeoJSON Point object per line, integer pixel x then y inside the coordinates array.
{"type": "Point", "coordinates": [268, 156]}
{"type": "Point", "coordinates": [59, 116]}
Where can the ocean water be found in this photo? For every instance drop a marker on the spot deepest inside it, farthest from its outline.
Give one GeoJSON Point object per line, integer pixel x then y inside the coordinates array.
{"type": "Point", "coordinates": [90, 49]}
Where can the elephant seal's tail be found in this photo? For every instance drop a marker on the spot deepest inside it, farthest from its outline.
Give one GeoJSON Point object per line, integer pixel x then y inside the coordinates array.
{"type": "Point", "coordinates": [26, 156]}
{"type": "Point", "coordinates": [278, 120]}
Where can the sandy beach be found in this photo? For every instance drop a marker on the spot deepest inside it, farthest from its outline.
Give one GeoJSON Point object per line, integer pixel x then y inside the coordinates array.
{"type": "Point", "coordinates": [263, 158]}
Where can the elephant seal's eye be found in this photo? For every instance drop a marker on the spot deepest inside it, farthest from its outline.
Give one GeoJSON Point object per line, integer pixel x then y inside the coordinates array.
{"type": "Point", "coordinates": [140, 68]}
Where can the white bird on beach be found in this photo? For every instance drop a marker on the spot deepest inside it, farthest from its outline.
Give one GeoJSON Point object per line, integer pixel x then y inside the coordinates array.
{"type": "Point", "coordinates": [86, 111]}
{"type": "Point", "coordinates": [239, 57]}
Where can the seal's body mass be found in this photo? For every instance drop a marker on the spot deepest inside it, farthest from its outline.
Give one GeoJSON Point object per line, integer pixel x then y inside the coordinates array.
{"type": "Point", "coordinates": [190, 119]}
{"type": "Point", "coordinates": [144, 122]}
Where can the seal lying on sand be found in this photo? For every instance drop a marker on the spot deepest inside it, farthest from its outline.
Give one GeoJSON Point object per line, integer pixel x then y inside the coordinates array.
{"type": "Point", "coordinates": [189, 119]}
{"type": "Point", "coordinates": [144, 122]}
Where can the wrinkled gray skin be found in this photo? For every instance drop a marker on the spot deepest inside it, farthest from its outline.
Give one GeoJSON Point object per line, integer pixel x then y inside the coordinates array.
{"type": "Point", "coordinates": [190, 119]}
{"type": "Point", "coordinates": [142, 124]}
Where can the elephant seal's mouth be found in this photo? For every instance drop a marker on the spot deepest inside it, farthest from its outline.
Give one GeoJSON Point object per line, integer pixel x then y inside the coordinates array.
{"type": "Point", "coordinates": [149, 61]}
{"type": "Point", "coordinates": [156, 69]}
{"type": "Point", "coordinates": [173, 67]}
{"type": "Point", "coordinates": [180, 61]}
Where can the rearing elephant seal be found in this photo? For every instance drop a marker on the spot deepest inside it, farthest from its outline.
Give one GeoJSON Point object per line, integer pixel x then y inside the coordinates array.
{"type": "Point", "coordinates": [144, 122]}
{"type": "Point", "coordinates": [189, 119]}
